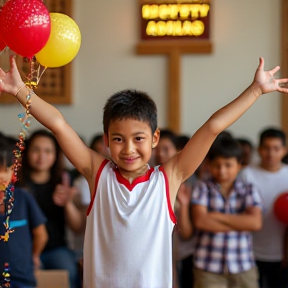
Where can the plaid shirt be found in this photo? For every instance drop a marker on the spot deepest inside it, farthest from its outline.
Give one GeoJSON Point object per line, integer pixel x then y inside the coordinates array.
{"type": "Point", "coordinates": [225, 252]}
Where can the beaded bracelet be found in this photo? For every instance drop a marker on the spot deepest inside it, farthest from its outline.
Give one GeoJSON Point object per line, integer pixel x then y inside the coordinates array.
{"type": "Point", "coordinates": [24, 85]}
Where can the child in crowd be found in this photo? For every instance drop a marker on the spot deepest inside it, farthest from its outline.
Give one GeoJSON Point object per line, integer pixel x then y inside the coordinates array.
{"type": "Point", "coordinates": [247, 151]}
{"type": "Point", "coordinates": [183, 241]}
{"type": "Point", "coordinates": [42, 174]}
{"type": "Point", "coordinates": [130, 218]}
{"type": "Point", "coordinates": [225, 209]}
{"type": "Point", "coordinates": [97, 144]}
{"type": "Point", "coordinates": [24, 246]}
{"type": "Point", "coordinates": [202, 172]}
{"type": "Point", "coordinates": [166, 147]}
{"type": "Point", "coordinates": [83, 197]}
{"type": "Point", "coordinates": [271, 178]}
{"type": "Point", "coordinates": [165, 150]}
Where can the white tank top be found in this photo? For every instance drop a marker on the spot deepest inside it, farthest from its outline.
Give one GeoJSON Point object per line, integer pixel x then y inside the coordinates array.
{"type": "Point", "coordinates": [128, 241]}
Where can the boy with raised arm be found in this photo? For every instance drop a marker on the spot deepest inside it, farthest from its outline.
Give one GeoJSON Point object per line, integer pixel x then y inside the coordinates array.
{"type": "Point", "coordinates": [130, 218]}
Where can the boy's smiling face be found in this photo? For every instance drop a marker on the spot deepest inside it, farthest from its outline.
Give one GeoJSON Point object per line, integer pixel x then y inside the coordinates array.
{"type": "Point", "coordinates": [131, 142]}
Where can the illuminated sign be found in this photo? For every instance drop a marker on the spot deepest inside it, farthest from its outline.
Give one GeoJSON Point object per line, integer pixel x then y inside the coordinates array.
{"type": "Point", "coordinates": [175, 20]}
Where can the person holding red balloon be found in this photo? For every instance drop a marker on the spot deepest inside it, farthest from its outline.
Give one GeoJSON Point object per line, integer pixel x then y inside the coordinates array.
{"type": "Point", "coordinates": [271, 179]}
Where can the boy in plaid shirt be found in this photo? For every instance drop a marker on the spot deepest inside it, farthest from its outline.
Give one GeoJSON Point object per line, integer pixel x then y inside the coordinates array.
{"type": "Point", "coordinates": [225, 210]}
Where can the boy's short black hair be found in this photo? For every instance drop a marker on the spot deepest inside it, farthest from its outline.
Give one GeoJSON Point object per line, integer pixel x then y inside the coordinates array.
{"type": "Point", "coordinates": [272, 133]}
{"type": "Point", "coordinates": [130, 104]}
{"type": "Point", "coordinates": [225, 147]}
{"type": "Point", "coordinates": [6, 153]}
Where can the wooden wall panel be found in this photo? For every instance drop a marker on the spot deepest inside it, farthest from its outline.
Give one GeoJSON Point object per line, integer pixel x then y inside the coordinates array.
{"type": "Point", "coordinates": [55, 84]}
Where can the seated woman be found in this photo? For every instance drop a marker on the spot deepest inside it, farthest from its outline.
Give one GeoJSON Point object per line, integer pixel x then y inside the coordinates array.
{"type": "Point", "coordinates": [44, 177]}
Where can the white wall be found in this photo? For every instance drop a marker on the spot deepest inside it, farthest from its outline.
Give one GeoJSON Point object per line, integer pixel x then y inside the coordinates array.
{"type": "Point", "coordinates": [241, 32]}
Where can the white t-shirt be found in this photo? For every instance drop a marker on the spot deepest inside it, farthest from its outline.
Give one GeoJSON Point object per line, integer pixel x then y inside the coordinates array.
{"type": "Point", "coordinates": [83, 188]}
{"type": "Point", "coordinates": [128, 241]}
{"type": "Point", "coordinates": [182, 248]}
{"type": "Point", "coordinates": [76, 240]}
{"type": "Point", "coordinates": [268, 242]}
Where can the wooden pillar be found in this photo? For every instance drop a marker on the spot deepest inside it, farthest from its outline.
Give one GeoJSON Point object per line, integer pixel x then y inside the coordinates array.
{"type": "Point", "coordinates": [174, 50]}
{"type": "Point", "coordinates": [174, 101]}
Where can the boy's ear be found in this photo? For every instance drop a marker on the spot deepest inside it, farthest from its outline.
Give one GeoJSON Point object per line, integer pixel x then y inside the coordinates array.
{"type": "Point", "coordinates": [106, 141]}
{"type": "Point", "coordinates": [155, 138]}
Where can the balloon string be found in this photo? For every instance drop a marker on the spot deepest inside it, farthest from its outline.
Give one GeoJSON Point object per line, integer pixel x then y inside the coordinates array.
{"type": "Point", "coordinates": [40, 73]}
{"type": "Point", "coordinates": [36, 72]}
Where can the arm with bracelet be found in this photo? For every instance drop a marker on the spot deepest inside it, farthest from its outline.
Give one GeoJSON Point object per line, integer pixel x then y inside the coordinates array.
{"type": "Point", "coordinates": [86, 161]}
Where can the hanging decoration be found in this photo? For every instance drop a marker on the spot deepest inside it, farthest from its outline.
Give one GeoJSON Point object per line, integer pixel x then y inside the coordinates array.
{"type": "Point", "coordinates": [36, 71]}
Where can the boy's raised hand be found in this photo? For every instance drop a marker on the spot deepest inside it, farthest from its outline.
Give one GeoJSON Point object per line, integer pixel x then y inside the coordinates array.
{"type": "Point", "coordinates": [11, 81]}
{"type": "Point", "coordinates": [266, 81]}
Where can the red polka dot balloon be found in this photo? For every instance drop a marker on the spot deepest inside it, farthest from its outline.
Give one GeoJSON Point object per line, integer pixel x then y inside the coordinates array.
{"type": "Point", "coordinates": [25, 26]}
{"type": "Point", "coordinates": [2, 44]}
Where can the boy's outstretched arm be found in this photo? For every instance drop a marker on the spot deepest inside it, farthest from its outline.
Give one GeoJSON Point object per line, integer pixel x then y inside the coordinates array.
{"type": "Point", "coordinates": [183, 164]}
{"type": "Point", "coordinates": [85, 160]}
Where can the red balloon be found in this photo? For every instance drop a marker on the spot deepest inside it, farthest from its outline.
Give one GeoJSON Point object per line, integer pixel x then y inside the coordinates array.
{"type": "Point", "coordinates": [281, 208]}
{"type": "Point", "coordinates": [2, 44]}
{"type": "Point", "coordinates": [25, 26]}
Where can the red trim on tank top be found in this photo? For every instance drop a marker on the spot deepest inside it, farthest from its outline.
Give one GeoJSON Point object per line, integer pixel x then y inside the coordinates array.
{"type": "Point", "coordinates": [96, 184]}
{"type": "Point", "coordinates": [143, 178]}
{"type": "Point", "coordinates": [171, 212]}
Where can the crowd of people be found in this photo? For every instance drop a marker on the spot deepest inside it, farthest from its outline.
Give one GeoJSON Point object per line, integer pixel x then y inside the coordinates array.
{"type": "Point", "coordinates": [209, 244]}
{"type": "Point", "coordinates": [229, 214]}
{"type": "Point", "coordinates": [227, 234]}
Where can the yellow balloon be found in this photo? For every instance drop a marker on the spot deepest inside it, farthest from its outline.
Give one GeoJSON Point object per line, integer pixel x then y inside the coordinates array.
{"type": "Point", "coordinates": [63, 44]}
